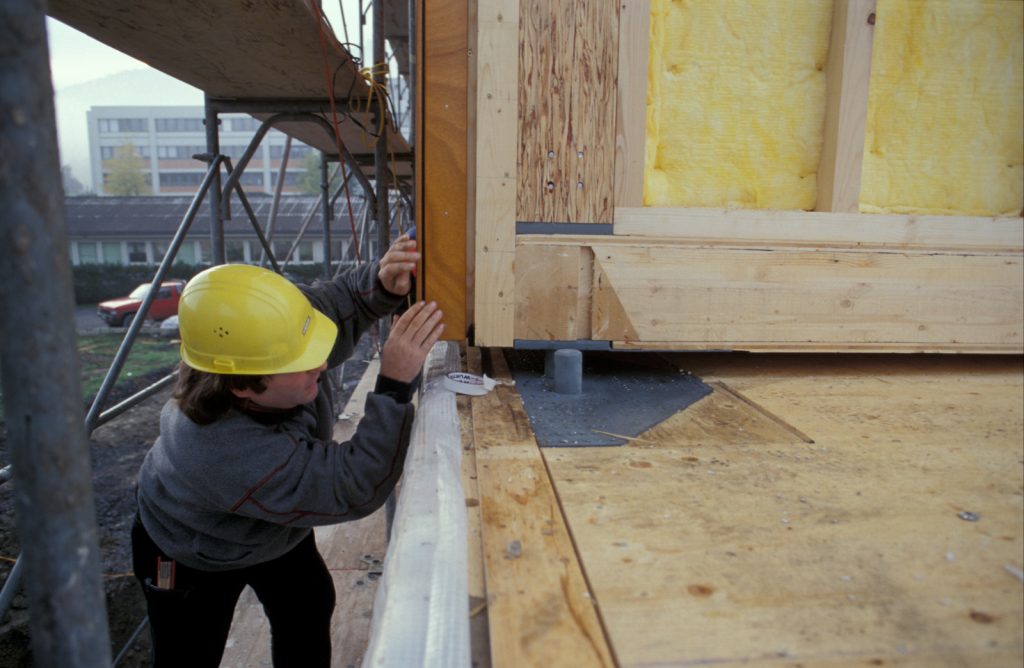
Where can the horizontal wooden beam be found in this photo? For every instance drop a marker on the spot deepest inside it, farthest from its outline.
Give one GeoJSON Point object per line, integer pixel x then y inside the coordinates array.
{"type": "Point", "coordinates": [776, 281]}
{"type": "Point", "coordinates": [773, 347]}
{"type": "Point", "coordinates": [821, 229]}
{"type": "Point", "coordinates": [725, 297]}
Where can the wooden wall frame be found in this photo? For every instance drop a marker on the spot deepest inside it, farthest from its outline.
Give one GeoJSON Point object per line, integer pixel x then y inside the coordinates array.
{"type": "Point", "coordinates": [897, 298]}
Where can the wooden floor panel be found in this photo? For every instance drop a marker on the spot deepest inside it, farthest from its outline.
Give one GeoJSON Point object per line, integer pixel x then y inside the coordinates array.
{"type": "Point", "coordinates": [723, 536]}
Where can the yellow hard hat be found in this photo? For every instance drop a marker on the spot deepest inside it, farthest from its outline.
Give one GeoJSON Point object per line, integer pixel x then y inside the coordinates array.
{"type": "Point", "coordinates": [240, 319]}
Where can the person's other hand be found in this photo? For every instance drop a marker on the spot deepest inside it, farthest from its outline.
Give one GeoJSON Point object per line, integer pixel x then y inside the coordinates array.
{"type": "Point", "coordinates": [397, 265]}
{"type": "Point", "coordinates": [411, 338]}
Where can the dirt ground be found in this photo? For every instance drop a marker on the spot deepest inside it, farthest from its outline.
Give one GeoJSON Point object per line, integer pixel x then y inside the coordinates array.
{"type": "Point", "coordinates": [117, 450]}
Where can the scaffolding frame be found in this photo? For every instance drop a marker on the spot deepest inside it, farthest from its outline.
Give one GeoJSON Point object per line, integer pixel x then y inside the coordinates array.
{"type": "Point", "coordinates": [73, 634]}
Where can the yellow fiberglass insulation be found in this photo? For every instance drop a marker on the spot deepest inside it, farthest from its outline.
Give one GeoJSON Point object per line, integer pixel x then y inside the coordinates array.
{"type": "Point", "coordinates": [945, 124]}
{"type": "Point", "coordinates": [736, 102]}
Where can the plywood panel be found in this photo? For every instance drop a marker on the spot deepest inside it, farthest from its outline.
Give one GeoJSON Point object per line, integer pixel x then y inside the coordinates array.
{"type": "Point", "coordinates": [731, 297]}
{"type": "Point", "coordinates": [443, 151]}
{"type": "Point", "coordinates": [540, 612]}
{"type": "Point", "coordinates": [705, 546]}
{"type": "Point", "coordinates": [567, 55]}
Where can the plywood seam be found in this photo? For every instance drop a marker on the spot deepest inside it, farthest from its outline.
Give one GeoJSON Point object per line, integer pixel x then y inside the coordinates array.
{"type": "Point", "coordinates": [739, 396]}
{"type": "Point", "coordinates": [607, 638]}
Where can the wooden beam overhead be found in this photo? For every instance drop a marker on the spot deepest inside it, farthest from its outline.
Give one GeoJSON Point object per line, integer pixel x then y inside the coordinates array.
{"type": "Point", "coordinates": [260, 50]}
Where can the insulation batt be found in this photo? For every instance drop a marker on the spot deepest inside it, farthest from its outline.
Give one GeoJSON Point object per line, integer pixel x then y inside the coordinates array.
{"type": "Point", "coordinates": [736, 102]}
{"type": "Point", "coordinates": [945, 125]}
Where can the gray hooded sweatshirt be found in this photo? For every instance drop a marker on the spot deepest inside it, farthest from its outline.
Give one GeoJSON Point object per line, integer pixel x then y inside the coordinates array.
{"type": "Point", "coordinates": [247, 488]}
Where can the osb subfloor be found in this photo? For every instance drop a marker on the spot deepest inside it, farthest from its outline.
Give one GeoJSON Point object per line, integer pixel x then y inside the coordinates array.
{"type": "Point", "coordinates": [813, 510]}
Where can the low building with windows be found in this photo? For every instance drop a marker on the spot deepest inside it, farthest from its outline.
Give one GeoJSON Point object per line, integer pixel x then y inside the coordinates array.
{"type": "Point", "coordinates": [139, 230]}
{"type": "Point", "coordinates": [165, 139]}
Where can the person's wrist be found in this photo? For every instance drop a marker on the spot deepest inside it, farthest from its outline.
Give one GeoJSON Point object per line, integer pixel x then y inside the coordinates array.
{"type": "Point", "coordinates": [398, 390]}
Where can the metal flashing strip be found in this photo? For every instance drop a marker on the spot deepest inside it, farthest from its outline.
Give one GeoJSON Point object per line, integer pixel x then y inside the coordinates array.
{"type": "Point", "coordinates": [564, 228]}
{"type": "Point", "coordinates": [622, 397]}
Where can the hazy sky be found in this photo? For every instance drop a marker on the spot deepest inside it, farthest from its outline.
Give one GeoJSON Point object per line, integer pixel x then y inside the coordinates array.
{"type": "Point", "coordinates": [76, 58]}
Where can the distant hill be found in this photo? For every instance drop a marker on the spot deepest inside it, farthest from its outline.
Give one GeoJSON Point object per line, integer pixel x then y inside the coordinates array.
{"type": "Point", "coordinates": [143, 87]}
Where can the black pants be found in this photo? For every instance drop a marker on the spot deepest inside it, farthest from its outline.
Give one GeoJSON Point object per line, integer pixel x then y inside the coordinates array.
{"type": "Point", "coordinates": [189, 624]}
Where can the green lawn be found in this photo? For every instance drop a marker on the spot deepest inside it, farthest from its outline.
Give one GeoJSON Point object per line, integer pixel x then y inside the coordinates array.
{"type": "Point", "coordinates": [95, 354]}
{"type": "Point", "coordinates": [148, 354]}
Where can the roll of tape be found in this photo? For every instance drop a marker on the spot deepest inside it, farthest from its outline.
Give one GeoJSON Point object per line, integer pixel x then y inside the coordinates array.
{"type": "Point", "coordinates": [468, 383]}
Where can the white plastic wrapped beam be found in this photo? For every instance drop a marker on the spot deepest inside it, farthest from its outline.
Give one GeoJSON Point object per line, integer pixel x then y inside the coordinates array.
{"type": "Point", "coordinates": [421, 612]}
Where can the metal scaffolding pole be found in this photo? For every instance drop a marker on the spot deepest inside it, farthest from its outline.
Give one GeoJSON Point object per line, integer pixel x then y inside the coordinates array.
{"type": "Point", "coordinates": [380, 152]}
{"type": "Point", "coordinates": [42, 397]}
{"type": "Point", "coordinates": [325, 199]}
{"type": "Point", "coordinates": [281, 173]}
{"type": "Point", "coordinates": [380, 158]}
{"type": "Point", "coordinates": [216, 215]}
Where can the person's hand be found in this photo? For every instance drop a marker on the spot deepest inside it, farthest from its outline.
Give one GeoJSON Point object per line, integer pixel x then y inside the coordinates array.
{"type": "Point", "coordinates": [411, 338]}
{"type": "Point", "coordinates": [397, 265]}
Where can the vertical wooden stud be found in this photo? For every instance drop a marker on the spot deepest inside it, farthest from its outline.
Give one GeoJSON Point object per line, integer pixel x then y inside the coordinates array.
{"type": "Point", "coordinates": [631, 102]}
{"type": "Point", "coordinates": [848, 76]}
{"type": "Point", "coordinates": [497, 58]}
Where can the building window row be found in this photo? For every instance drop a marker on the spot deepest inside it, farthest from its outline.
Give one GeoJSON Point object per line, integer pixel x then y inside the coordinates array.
{"type": "Point", "coordinates": [184, 152]}
{"type": "Point", "coordinates": [147, 177]}
{"type": "Point", "coordinates": [110, 152]}
{"type": "Point", "coordinates": [296, 151]}
{"type": "Point", "coordinates": [290, 178]}
{"type": "Point", "coordinates": [246, 124]}
{"type": "Point", "coordinates": [198, 251]}
{"type": "Point", "coordinates": [196, 178]}
{"type": "Point", "coordinates": [178, 151]}
{"type": "Point", "coordinates": [180, 125]}
{"type": "Point", "coordinates": [109, 125]}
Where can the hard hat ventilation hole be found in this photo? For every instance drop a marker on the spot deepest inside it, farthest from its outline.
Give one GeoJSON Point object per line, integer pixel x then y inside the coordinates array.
{"type": "Point", "coordinates": [221, 332]}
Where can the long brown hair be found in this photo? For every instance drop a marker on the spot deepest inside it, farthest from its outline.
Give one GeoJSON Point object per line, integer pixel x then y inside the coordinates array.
{"type": "Point", "coordinates": [205, 397]}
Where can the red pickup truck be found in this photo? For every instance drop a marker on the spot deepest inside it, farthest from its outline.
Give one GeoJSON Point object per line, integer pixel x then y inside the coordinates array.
{"type": "Point", "coordinates": [120, 312]}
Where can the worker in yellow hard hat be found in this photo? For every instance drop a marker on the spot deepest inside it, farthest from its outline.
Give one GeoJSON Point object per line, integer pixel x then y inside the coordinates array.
{"type": "Point", "coordinates": [244, 467]}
